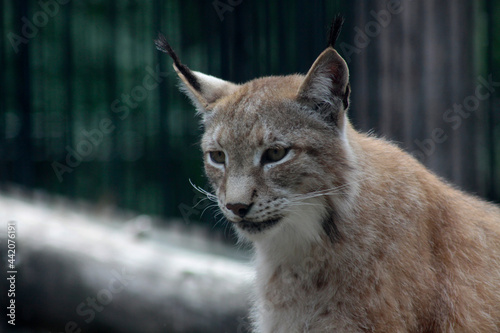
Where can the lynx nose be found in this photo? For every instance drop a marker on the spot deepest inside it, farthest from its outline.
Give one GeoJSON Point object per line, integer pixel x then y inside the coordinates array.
{"type": "Point", "coordinates": [239, 209]}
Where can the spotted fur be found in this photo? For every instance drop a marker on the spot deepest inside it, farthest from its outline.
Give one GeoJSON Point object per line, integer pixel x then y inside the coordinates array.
{"type": "Point", "coordinates": [351, 234]}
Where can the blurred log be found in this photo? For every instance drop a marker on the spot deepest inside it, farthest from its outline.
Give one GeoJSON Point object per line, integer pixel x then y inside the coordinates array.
{"type": "Point", "coordinates": [82, 272]}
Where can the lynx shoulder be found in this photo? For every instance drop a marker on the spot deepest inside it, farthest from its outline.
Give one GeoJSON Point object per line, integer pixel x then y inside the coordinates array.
{"type": "Point", "coordinates": [351, 234]}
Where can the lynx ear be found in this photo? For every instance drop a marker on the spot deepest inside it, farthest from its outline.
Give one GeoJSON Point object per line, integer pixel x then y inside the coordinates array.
{"type": "Point", "coordinates": [202, 89]}
{"type": "Point", "coordinates": [326, 85]}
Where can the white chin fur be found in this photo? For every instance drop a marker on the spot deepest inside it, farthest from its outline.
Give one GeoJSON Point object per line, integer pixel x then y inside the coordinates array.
{"type": "Point", "coordinates": [301, 226]}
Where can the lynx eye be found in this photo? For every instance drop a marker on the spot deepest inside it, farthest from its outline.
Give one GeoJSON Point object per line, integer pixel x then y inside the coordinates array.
{"type": "Point", "coordinates": [274, 154]}
{"type": "Point", "coordinates": [218, 157]}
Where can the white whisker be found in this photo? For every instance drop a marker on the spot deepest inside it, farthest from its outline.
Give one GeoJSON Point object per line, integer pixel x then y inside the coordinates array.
{"type": "Point", "coordinates": [208, 207]}
{"type": "Point", "coordinates": [210, 196]}
{"type": "Point", "coordinates": [338, 190]}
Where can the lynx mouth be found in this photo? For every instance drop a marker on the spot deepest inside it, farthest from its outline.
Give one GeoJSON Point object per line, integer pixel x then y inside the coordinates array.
{"type": "Point", "coordinates": [256, 227]}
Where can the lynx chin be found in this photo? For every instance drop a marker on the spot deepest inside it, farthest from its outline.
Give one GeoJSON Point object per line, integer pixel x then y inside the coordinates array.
{"type": "Point", "coordinates": [351, 234]}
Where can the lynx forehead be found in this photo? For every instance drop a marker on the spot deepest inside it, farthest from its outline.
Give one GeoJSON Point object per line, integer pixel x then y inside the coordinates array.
{"type": "Point", "coordinates": [351, 234]}
{"type": "Point", "coordinates": [268, 143]}
{"type": "Point", "coordinates": [276, 146]}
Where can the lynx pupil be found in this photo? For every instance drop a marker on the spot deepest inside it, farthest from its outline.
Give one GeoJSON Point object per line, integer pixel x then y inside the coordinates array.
{"type": "Point", "coordinates": [218, 157]}
{"type": "Point", "coordinates": [274, 154]}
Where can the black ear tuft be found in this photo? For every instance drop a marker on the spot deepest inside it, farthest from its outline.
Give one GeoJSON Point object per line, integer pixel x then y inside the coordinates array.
{"type": "Point", "coordinates": [335, 28]}
{"type": "Point", "coordinates": [163, 46]}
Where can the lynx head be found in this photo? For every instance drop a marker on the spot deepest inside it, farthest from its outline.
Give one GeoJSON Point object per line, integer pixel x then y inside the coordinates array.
{"type": "Point", "coordinates": [276, 149]}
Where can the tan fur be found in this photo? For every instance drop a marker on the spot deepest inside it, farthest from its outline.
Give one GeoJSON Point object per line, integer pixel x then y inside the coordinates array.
{"type": "Point", "coordinates": [368, 240]}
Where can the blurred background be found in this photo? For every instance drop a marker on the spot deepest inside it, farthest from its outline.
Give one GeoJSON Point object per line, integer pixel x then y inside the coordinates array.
{"type": "Point", "coordinates": [91, 119]}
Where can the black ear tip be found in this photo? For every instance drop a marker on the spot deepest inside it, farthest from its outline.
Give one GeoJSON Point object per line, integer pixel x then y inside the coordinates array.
{"type": "Point", "coordinates": [162, 44]}
{"type": "Point", "coordinates": [335, 28]}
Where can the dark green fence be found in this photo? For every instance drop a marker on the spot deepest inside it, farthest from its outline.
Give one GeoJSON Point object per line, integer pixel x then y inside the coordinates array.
{"type": "Point", "coordinates": [89, 108]}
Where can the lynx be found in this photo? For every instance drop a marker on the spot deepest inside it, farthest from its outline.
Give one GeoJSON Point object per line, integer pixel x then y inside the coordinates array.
{"type": "Point", "coordinates": [351, 234]}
